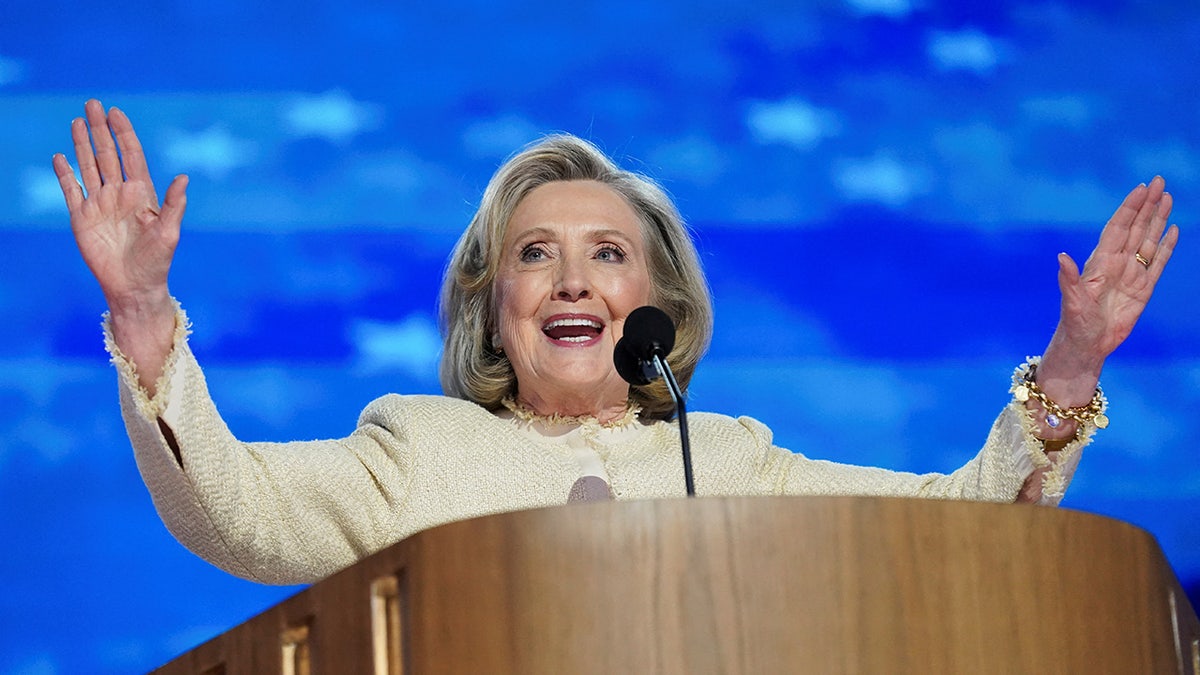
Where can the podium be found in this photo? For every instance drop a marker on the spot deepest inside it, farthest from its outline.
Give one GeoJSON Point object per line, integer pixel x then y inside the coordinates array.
{"type": "Point", "coordinates": [737, 585]}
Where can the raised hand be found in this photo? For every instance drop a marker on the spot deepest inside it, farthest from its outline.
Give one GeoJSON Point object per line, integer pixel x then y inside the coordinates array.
{"type": "Point", "coordinates": [1101, 304]}
{"type": "Point", "coordinates": [125, 236]}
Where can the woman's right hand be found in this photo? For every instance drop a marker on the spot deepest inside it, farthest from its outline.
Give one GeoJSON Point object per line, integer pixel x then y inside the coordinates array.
{"type": "Point", "coordinates": [127, 239]}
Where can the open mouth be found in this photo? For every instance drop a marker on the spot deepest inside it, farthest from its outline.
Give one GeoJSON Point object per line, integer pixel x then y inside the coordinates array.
{"type": "Point", "coordinates": [573, 329]}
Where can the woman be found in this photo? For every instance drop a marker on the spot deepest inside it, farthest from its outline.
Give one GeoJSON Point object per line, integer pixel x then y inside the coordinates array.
{"type": "Point", "coordinates": [562, 249]}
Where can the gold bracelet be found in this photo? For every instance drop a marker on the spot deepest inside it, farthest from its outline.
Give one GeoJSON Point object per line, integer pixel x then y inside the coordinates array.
{"type": "Point", "coordinates": [1025, 387]}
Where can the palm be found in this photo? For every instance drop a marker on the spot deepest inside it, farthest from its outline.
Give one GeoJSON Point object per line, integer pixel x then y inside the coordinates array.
{"type": "Point", "coordinates": [118, 232]}
{"type": "Point", "coordinates": [125, 238]}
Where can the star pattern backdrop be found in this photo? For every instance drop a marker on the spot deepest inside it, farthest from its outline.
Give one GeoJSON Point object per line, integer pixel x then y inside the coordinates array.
{"type": "Point", "coordinates": [878, 189]}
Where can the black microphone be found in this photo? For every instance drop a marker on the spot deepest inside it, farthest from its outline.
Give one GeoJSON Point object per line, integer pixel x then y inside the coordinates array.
{"type": "Point", "coordinates": [648, 332]}
{"type": "Point", "coordinates": [640, 357]}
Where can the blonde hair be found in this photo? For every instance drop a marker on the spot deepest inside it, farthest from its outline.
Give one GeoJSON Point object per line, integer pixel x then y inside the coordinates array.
{"type": "Point", "coordinates": [471, 367]}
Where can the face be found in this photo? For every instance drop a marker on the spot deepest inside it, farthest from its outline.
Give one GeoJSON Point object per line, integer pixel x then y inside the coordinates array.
{"type": "Point", "coordinates": [573, 265]}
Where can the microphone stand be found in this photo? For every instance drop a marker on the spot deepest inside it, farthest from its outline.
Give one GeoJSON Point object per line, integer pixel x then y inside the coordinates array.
{"type": "Point", "coordinates": [664, 371]}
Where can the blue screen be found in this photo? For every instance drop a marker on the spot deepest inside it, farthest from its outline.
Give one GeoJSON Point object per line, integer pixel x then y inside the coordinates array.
{"type": "Point", "coordinates": [878, 188]}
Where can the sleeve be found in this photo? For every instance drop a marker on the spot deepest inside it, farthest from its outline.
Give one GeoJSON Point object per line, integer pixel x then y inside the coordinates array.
{"type": "Point", "coordinates": [271, 512]}
{"type": "Point", "coordinates": [1010, 456]}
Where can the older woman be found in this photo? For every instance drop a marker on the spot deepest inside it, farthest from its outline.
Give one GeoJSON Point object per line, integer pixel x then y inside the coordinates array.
{"type": "Point", "coordinates": [563, 247]}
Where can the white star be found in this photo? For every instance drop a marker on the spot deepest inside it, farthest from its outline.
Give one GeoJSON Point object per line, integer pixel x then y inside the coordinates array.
{"type": "Point", "coordinates": [890, 8]}
{"type": "Point", "coordinates": [332, 115]}
{"type": "Point", "coordinates": [880, 179]}
{"type": "Point", "coordinates": [968, 50]}
{"type": "Point", "coordinates": [411, 345]}
{"type": "Point", "coordinates": [213, 151]}
{"type": "Point", "coordinates": [12, 71]}
{"type": "Point", "coordinates": [791, 121]}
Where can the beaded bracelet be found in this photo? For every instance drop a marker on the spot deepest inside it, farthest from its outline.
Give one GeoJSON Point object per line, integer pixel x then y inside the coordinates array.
{"type": "Point", "coordinates": [1025, 387]}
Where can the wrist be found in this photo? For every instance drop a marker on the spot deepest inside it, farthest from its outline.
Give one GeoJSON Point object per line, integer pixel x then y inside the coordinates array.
{"type": "Point", "coordinates": [1068, 373]}
{"type": "Point", "coordinates": [143, 333]}
{"type": "Point", "coordinates": [1056, 420]}
{"type": "Point", "coordinates": [140, 306]}
{"type": "Point", "coordinates": [143, 325]}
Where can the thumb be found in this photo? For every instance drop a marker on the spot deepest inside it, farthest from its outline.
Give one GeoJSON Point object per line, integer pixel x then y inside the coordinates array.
{"type": "Point", "coordinates": [1068, 273]}
{"type": "Point", "coordinates": [175, 201]}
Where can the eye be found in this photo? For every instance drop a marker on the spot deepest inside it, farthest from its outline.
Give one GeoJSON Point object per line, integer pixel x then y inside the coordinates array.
{"type": "Point", "coordinates": [610, 253]}
{"type": "Point", "coordinates": [533, 253]}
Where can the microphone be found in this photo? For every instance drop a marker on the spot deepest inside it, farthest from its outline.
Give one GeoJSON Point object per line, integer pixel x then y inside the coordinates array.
{"type": "Point", "coordinates": [649, 332]}
{"type": "Point", "coordinates": [640, 357]}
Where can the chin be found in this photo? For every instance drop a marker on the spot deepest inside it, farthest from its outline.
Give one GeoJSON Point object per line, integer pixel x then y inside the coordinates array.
{"type": "Point", "coordinates": [585, 379]}
{"type": "Point", "coordinates": [592, 358]}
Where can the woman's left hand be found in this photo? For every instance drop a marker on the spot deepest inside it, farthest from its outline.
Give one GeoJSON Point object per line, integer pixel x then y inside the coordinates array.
{"type": "Point", "coordinates": [1101, 304]}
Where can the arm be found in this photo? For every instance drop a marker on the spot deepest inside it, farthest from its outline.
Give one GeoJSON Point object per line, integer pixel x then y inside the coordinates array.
{"type": "Point", "coordinates": [125, 236]}
{"type": "Point", "coordinates": [1025, 459]}
{"type": "Point", "coordinates": [740, 457]}
{"type": "Point", "coordinates": [261, 511]}
{"type": "Point", "coordinates": [272, 512]}
{"type": "Point", "coordinates": [277, 513]}
{"type": "Point", "coordinates": [1100, 306]}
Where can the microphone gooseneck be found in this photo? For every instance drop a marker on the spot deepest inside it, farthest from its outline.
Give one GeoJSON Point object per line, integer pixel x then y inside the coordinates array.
{"type": "Point", "coordinates": [640, 357]}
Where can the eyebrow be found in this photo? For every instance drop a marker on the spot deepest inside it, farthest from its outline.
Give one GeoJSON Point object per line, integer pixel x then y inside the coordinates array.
{"type": "Point", "coordinates": [610, 233]}
{"type": "Point", "coordinates": [600, 233]}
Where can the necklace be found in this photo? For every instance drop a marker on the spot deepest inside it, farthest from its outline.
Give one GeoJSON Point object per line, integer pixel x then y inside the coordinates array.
{"type": "Point", "coordinates": [528, 416]}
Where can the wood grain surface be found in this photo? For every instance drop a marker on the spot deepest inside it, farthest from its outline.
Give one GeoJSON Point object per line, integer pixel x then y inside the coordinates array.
{"type": "Point", "coordinates": [740, 585]}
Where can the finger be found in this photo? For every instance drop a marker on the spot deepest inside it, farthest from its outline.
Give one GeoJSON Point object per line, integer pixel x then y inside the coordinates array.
{"type": "Point", "coordinates": [1163, 255]}
{"type": "Point", "coordinates": [1116, 230]}
{"type": "Point", "coordinates": [71, 189]}
{"type": "Point", "coordinates": [107, 158]}
{"type": "Point", "coordinates": [1148, 247]}
{"type": "Point", "coordinates": [132, 156]}
{"type": "Point", "coordinates": [175, 202]}
{"type": "Point", "coordinates": [1145, 215]}
{"type": "Point", "coordinates": [84, 155]}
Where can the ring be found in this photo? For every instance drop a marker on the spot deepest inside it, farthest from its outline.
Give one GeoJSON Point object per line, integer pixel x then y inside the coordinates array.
{"type": "Point", "coordinates": [1142, 259]}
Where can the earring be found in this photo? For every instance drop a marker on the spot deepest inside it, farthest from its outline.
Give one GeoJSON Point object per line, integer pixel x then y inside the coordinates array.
{"type": "Point", "coordinates": [496, 343]}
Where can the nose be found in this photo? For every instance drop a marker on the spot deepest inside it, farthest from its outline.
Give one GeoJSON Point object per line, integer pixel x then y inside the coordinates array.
{"type": "Point", "coordinates": [573, 282]}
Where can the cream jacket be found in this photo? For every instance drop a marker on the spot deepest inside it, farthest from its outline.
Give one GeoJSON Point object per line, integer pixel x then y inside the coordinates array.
{"type": "Point", "coordinates": [296, 512]}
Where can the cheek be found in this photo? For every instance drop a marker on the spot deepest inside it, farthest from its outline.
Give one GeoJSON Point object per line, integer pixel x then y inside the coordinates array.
{"type": "Point", "coordinates": [503, 294]}
{"type": "Point", "coordinates": [500, 295]}
{"type": "Point", "coordinates": [511, 303]}
{"type": "Point", "coordinates": [635, 291]}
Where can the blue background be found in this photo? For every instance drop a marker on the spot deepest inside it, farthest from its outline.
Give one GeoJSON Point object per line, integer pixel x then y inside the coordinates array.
{"type": "Point", "coordinates": [878, 187]}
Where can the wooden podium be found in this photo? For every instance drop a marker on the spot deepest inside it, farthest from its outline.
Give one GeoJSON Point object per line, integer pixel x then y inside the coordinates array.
{"type": "Point", "coordinates": [738, 585]}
